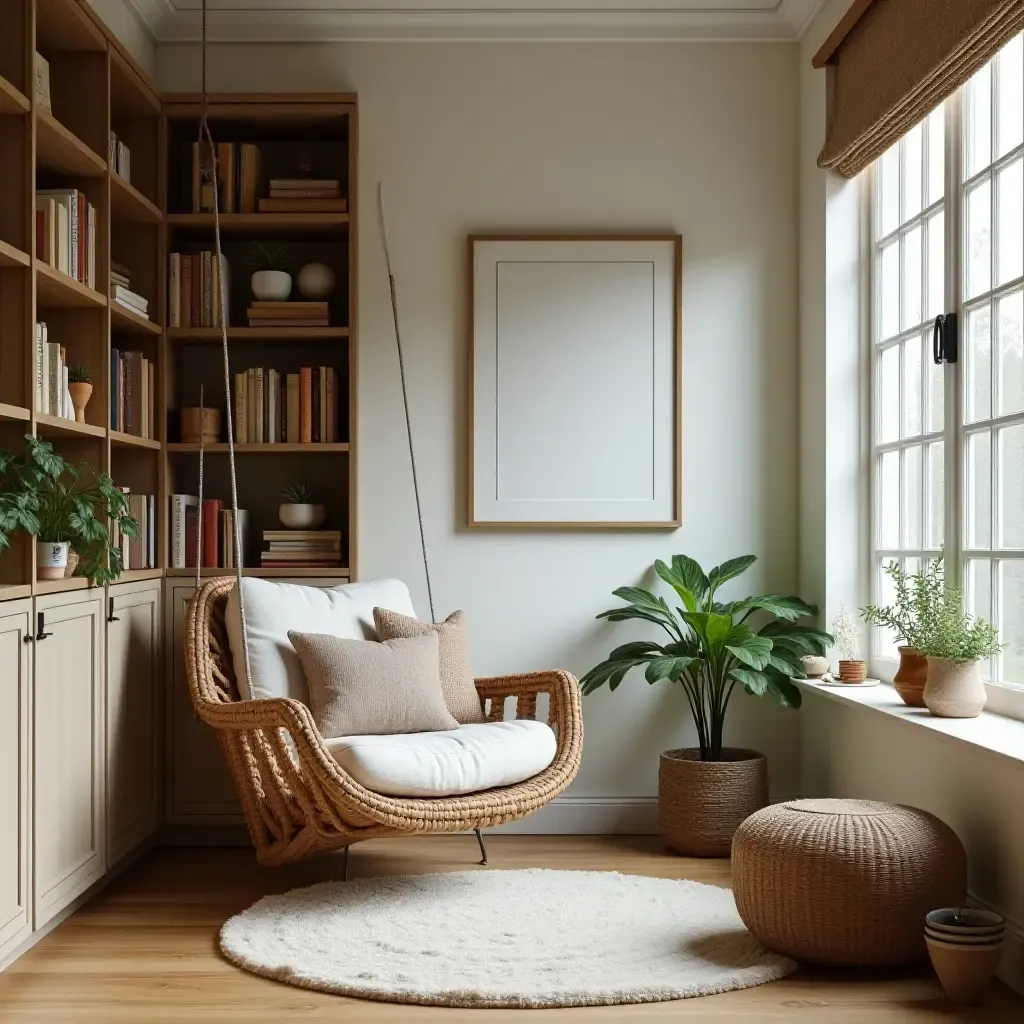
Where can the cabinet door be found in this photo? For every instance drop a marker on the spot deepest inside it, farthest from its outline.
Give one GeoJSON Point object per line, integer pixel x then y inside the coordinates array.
{"type": "Point", "coordinates": [15, 761]}
{"type": "Point", "coordinates": [133, 681]}
{"type": "Point", "coordinates": [68, 720]}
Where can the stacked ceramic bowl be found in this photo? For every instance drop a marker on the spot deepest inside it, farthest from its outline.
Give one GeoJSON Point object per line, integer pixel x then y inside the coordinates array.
{"type": "Point", "coordinates": [965, 947]}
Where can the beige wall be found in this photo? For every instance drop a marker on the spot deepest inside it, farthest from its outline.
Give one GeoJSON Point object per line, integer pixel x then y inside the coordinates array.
{"type": "Point", "coordinates": [121, 18]}
{"type": "Point", "coordinates": [697, 138]}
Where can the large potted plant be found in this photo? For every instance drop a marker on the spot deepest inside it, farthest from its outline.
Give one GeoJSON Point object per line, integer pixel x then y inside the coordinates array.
{"type": "Point", "coordinates": [66, 508]}
{"type": "Point", "coordinates": [704, 792]}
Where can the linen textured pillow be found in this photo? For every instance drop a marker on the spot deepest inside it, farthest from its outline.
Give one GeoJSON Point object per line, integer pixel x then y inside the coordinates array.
{"type": "Point", "coordinates": [453, 657]}
{"type": "Point", "coordinates": [362, 688]}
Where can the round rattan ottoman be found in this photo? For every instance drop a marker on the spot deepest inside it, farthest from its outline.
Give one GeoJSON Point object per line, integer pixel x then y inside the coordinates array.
{"type": "Point", "coordinates": [845, 882]}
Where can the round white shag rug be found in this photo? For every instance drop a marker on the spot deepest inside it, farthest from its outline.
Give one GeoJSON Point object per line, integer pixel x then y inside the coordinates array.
{"type": "Point", "coordinates": [504, 938]}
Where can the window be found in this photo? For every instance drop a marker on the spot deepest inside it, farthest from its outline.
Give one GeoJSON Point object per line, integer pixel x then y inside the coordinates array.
{"type": "Point", "coordinates": [948, 440]}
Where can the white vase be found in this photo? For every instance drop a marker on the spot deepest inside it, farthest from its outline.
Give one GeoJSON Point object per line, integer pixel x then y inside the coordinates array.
{"type": "Point", "coordinates": [317, 281]}
{"type": "Point", "coordinates": [51, 559]}
{"type": "Point", "coordinates": [271, 285]}
{"type": "Point", "coordinates": [954, 688]}
{"type": "Point", "coordinates": [301, 517]}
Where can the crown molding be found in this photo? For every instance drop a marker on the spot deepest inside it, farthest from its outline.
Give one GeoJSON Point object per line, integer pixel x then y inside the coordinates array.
{"type": "Point", "coordinates": [176, 21]}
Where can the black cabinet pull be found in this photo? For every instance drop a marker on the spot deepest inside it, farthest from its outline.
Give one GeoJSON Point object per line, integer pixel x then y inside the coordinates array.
{"type": "Point", "coordinates": [111, 617]}
{"type": "Point", "coordinates": [41, 633]}
{"type": "Point", "coordinates": [28, 638]}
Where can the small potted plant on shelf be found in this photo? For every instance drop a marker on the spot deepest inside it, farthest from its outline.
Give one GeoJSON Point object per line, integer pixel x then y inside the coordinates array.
{"type": "Point", "coordinates": [916, 599]}
{"type": "Point", "coordinates": [847, 633]}
{"type": "Point", "coordinates": [271, 280]}
{"type": "Point", "coordinates": [705, 792]}
{"type": "Point", "coordinates": [300, 510]}
{"type": "Point", "coordinates": [80, 386]}
{"type": "Point", "coordinates": [67, 509]}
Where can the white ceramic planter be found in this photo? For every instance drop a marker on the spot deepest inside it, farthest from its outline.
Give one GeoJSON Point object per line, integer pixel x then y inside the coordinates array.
{"type": "Point", "coordinates": [302, 517]}
{"type": "Point", "coordinates": [954, 689]}
{"type": "Point", "coordinates": [271, 285]}
{"type": "Point", "coordinates": [51, 559]}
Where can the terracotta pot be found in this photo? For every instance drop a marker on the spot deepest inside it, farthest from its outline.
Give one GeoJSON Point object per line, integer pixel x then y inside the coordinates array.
{"type": "Point", "coordinates": [80, 395]}
{"type": "Point", "coordinates": [965, 972]}
{"type": "Point", "coordinates": [954, 688]}
{"type": "Point", "coordinates": [911, 676]}
{"type": "Point", "coordinates": [853, 671]}
{"type": "Point", "coordinates": [702, 803]}
{"type": "Point", "coordinates": [51, 559]}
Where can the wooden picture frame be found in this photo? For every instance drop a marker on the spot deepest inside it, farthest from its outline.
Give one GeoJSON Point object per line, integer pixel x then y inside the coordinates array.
{"type": "Point", "coordinates": [575, 417]}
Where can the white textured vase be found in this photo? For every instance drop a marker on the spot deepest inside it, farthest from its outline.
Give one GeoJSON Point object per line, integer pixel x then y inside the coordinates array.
{"type": "Point", "coordinates": [301, 517]}
{"type": "Point", "coordinates": [271, 285]}
{"type": "Point", "coordinates": [51, 559]}
{"type": "Point", "coordinates": [954, 688]}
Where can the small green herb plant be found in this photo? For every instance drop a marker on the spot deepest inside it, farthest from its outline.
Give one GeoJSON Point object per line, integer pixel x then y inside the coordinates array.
{"type": "Point", "coordinates": [46, 497]}
{"type": "Point", "coordinates": [298, 494]}
{"type": "Point", "coordinates": [79, 375]}
{"type": "Point", "coordinates": [269, 257]}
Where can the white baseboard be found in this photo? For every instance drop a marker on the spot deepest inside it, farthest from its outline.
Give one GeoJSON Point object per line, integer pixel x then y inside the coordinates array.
{"type": "Point", "coordinates": [590, 816]}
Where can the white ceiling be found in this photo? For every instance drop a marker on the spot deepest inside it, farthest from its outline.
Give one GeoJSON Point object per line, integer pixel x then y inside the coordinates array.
{"type": "Point", "coordinates": [335, 20]}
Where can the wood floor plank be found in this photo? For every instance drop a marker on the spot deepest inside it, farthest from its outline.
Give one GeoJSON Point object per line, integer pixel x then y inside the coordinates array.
{"type": "Point", "coordinates": [146, 949]}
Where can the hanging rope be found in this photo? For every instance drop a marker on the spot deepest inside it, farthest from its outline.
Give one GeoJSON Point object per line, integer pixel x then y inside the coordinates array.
{"type": "Point", "coordinates": [405, 398]}
{"type": "Point", "coordinates": [205, 137]}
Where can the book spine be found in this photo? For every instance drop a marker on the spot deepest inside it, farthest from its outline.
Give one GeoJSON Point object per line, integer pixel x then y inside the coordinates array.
{"type": "Point", "coordinates": [122, 367]}
{"type": "Point", "coordinates": [186, 292]}
{"type": "Point", "coordinates": [174, 301]}
{"type": "Point", "coordinates": [324, 370]}
{"type": "Point", "coordinates": [151, 405]}
{"type": "Point", "coordinates": [128, 394]}
{"type": "Point", "coordinates": [40, 367]}
{"type": "Point", "coordinates": [211, 515]}
{"type": "Point", "coordinates": [305, 404]}
{"type": "Point", "coordinates": [54, 379]}
{"type": "Point", "coordinates": [178, 507]}
{"type": "Point", "coordinates": [195, 289]}
{"type": "Point", "coordinates": [191, 536]}
{"type": "Point", "coordinates": [195, 177]}
{"type": "Point", "coordinates": [282, 384]}
{"type": "Point", "coordinates": [332, 405]}
{"type": "Point", "coordinates": [293, 434]}
{"type": "Point", "coordinates": [315, 406]}
{"type": "Point", "coordinates": [72, 268]}
{"type": "Point", "coordinates": [258, 398]}
{"type": "Point", "coordinates": [150, 531]}
{"type": "Point", "coordinates": [238, 408]}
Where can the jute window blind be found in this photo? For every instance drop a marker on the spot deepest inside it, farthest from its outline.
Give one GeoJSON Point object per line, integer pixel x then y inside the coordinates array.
{"type": "Point", "coordinates": [894, 61]}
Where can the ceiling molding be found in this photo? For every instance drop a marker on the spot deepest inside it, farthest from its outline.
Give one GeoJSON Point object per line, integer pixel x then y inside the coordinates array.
{"type": "Point", "coordinates": [262, 21]}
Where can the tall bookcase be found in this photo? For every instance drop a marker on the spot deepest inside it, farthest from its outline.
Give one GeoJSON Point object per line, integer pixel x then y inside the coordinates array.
{"type": "Point", "coordinates": [96, 89]}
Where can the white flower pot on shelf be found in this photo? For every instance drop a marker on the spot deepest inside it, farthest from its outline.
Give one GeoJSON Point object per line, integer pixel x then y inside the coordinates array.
{"type": "Point", "coordinates": [302, 517]}
{"type": "Point", "coordinates": [51, 559]}
{"type": "Point", "coordinates": [271, 285]}
{"type": "Point", "coordinates": [954, 688]}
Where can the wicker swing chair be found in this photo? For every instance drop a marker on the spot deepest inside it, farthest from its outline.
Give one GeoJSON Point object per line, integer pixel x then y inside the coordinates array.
{"type": "Point", "coordinates": [298, 801]}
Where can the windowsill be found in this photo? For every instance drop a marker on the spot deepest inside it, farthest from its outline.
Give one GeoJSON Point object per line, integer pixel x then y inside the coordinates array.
{"type": "Point", "coordinates": [995, 734]}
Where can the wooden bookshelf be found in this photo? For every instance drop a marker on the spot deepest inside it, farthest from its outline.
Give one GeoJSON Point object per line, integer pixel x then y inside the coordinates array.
{"type": "Point", "coordinates": [261, 223]}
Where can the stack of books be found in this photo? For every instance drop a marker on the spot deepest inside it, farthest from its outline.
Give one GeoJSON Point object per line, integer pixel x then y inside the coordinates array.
{"type": "Point", "coordinates": [217, 525]}
{"type": "Point", "coordinates": [139, 553]}
{"type": "Point", "coordinates": [121, 291]}
{"type": "Point", "coordinates": [52, 395]}
{"type": "Point", "coordinates": [120, 158]}
{"type": "Point", "coordinates": [132, 394]}
{"type": "Point", "coordinates": [66, 233]}
{"type": "Point", "coordinates": [194, 299]}
{"type": "Point", "coordinates": [295, 408]}
{"type": "Point", "coordinates": [288, 314]}
{"type": "Point", "coordinates": [238, 175]}
{"type": "Point", "coordinates": [301, 549]}
{"type": "Point", "coordinates": [304, 195]}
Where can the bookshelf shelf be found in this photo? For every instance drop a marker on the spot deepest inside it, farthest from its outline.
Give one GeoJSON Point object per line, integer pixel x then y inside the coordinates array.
{"type": "Point", "coordinates": [326, 574]}
{"type": "Point", "coordinates": [55, 288]}
{"type": "Point", "coordinates": [124, 319]}
{"type": "Point", "coordinates": [221, 448]}
{"type": "Point", "coordinates": [57, 149]}
{"type": "Point", "coordinates": [12, 100]}
{"type": "Point", "coordinates": [14, 413]}
{"type": "Point", "coordinates": [259, 335]}
{"type": "Point", "coordinates": [10, 256]}
{"type": "Point", "coordinates": [119, 439]}
{"type": "Point", "coordinates": [128, 205]}
{"type": "Point", "coordinates": [135, 575]}
{"type": "Point", "coordinates": [57, 426]}
{"type": "Point", "coordinates": [14, 591]}
{"type": "Point", "coordinates": [63, 25]}
{"type": "Point", "coordinates": [261, 223]}
{"type": "Point", "coordinates": [41, 587]}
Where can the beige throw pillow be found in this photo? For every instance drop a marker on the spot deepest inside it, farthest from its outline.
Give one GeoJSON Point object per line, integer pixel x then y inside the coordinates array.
{"type": "Point", "coordinates": [362, 688]}
{"type": "Point", "coordinates": [453, 657]}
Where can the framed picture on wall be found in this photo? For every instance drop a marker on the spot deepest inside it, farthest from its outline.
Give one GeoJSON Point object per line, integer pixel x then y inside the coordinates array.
{"type": "Point", "coordinates": [574, 413]}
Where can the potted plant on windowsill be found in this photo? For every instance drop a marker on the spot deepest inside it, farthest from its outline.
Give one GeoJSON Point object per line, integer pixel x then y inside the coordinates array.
{"type": "Point", "coordinates": [67, 509]}
{"type": "Point", "coordinates": [705, 792]}
{"type": "Point", "coordinates": [852, 669]}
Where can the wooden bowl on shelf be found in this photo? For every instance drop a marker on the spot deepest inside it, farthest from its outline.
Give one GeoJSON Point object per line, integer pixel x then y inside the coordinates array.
{"type": "Point", "coordinates": [199, 424]}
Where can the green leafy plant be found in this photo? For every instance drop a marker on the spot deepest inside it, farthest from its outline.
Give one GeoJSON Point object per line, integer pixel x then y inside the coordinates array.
{"type": "Point", "coordinates": [711, 646]}
{"type": "Point", "coordinates": [46, 497]}
{"type": "Point", "coordinates": [79, 375]}
{"type": "Point", "coordinates": [298, 494]}
{"type": "Point", "coordinates": [270, 257]}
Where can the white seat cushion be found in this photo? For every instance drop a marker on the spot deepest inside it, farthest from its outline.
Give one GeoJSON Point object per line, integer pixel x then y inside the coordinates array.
{"type": "Point", "coordinates": [463, 760]}
{"type": "Point", "coordinates": [272, 609]}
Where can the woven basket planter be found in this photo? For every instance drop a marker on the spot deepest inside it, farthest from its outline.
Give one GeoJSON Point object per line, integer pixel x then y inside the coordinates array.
{"type": "Point", "coordinates": [701, 803]}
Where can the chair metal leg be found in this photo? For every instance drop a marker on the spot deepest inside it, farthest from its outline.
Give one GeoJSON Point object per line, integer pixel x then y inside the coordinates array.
{"type": "Point", "coordinates": [344, 865]}
{"type": "Point", "coordinates": [483, 849]}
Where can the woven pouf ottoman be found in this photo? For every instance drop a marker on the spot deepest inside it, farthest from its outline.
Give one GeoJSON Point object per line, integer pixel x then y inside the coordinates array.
{"type": "Point", "coordinates": [845, 882]}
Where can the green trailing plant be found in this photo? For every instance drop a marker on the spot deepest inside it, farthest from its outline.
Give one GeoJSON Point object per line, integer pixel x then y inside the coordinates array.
{"type": "Point", "coordinates": [713, 645]}
{"type": "Point", "coordinates": [46, 497]}
{"type": "Point", "coordinates": [79, 375]}
{"type": "Point", "coordinates": [269, 257]}
{"type": "Point", "coordinates": [298, 494]}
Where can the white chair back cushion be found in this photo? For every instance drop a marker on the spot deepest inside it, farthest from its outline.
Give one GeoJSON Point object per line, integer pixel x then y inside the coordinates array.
{"type": "Point", "coordinates": [271, 609]}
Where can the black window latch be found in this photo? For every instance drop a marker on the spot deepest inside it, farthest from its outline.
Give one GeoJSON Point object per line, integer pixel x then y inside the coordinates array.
{"type": "Point", "coordinates": [945, 347]}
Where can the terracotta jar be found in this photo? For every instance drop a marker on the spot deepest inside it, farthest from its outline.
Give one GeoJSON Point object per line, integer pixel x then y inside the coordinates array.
{"type": "Point", "coordinates": [911, 676]}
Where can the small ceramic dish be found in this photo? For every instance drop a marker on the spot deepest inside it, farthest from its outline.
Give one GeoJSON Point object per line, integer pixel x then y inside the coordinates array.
{"type": "Point", "coordinates": [965, 921]}
{"type": "Point", "coordinates": [995, 939]}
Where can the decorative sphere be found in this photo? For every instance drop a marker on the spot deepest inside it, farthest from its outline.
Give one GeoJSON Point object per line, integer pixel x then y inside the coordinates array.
{"type": "Point", "coordinates": [316, 281]}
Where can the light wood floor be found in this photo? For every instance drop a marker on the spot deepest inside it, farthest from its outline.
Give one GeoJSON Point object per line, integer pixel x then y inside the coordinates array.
{"type": "Point", "coordinates": [145, 949]}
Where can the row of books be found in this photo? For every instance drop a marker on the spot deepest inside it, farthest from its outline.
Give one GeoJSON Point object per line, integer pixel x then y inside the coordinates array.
{"type": "Point", "coordinates": [121, 291]}
{"type": "Point", "coordinates": [132, 394]}
{"type": "Point", "coordinates": [288, 314]}
{"type": "Point", "coordinates": [138, 553]}
{"type": "Point", "coordinates": [120, 158]}
{"type": "Point", "coordinates": [301, 549]}
{"type": "Point", "coordinates": [195, 287]}
{"type": "Point", "coordinates": [216, 525]}
{"type": "Point", "coordinates": [238, 174]}
{"type": "Point", "coordinates": [304, 195]}
{"type": "Point", "coordinates": [295, 408]}
{"type": "Point", "coordinates": [66, 233]}
{"type": "Point", "coordinates": [52, 395]}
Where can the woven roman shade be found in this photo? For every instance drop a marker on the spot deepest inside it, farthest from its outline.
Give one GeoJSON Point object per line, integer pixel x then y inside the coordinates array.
{"type": "Point", "coordinates": [896, 60]}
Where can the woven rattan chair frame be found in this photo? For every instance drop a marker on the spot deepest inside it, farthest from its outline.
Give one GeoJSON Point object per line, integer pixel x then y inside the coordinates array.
{"type": "Point", "coordinates": [296, 798]}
